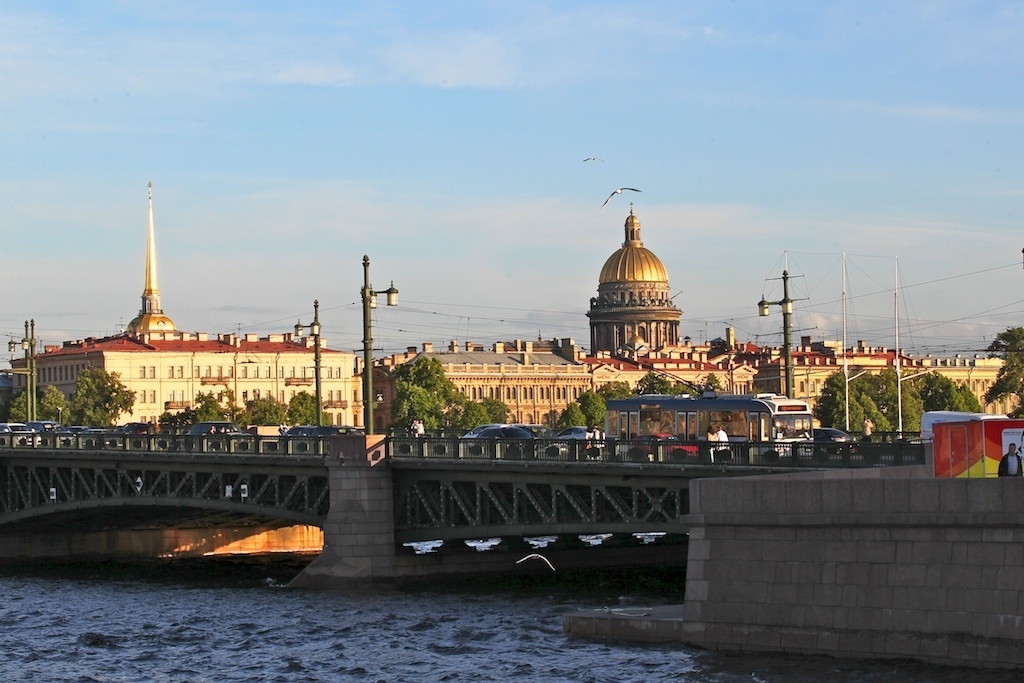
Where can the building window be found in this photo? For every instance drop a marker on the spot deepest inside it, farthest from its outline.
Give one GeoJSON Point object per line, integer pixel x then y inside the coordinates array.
{"type": "Point", "coordinates": [170, 373]}
{"type": "Point", "coordinates": [152, 372]}
{"type": "Point", "coordinates": [256, 394]}
{"type": "Point", "coordinates": [244, 372]}
{"type": "Point", "coordinates": [181, 371]}
{"type": "Point", "coordinates": [142, 397]}
{"type": "Point", "coordinates": [142, 373]}
{"type": "Point", "coordinates": [152, 396]}
{"type": "Point", "coordinates": [245, 396]}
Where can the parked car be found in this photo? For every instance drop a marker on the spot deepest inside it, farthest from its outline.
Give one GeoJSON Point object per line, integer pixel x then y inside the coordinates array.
{"type": "Point", "coordinates": [215, 429]}
{"type": "Point", "coordinates": [829, 440]}
{"type": "Point", "coordinates": [44, 426]}
{"type": "Point", "coordinates": [506, 442]}
{"type": "Point", "coordinates": [322, 430]}
{"type": "Point", "coordinates": [479, 428]}
{"type": "Point", "coordinates": [14, 428]}
{"type": "Point", "coordinates": [136, 429]}
{"type": "Point", "coordinates": [578, 432]}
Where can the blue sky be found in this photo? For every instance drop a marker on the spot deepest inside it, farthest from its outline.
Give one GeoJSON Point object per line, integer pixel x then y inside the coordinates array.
{"type": "Point", "coordinates": [446, 141]}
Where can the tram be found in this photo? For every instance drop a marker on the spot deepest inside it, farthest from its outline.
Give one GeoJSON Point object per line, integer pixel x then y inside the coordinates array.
{"type": "Point", "coordinates": [744, 417]}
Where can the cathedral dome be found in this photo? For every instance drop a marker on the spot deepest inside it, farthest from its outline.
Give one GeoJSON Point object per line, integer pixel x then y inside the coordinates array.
{"type": "Point", "coordinates": [633, 262]}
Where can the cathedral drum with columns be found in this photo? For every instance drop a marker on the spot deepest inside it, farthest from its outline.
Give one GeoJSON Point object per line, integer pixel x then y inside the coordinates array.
{"type": "Point", "coordinates": [633, 307]}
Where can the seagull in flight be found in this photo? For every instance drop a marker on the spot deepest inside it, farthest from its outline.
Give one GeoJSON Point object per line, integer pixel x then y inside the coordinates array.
{"type": "Point", "coordinates": [537, 556]}
{"type": "Point", "coordinates": [592, 159]}
{"type": "Point", "coordinates": [619, 191]}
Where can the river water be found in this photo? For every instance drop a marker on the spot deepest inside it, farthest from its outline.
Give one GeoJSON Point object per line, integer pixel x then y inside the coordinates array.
{"type": "Point", "coordinates": [232, 620]}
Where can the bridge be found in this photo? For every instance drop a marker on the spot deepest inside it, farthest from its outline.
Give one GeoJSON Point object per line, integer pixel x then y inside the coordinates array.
{"type": "Point", "coordinates": [91, 494]}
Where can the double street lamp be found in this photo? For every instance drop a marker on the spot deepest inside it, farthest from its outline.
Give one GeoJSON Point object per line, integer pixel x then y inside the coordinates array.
{"type": "Point", "coordinates": [28, 343]}
{"type": "Point", "coordinates": [787, 311]}
{"type": "Point", "coordinates": [314, 331]}
{"type": "Point", "coordinates": [369, 297]}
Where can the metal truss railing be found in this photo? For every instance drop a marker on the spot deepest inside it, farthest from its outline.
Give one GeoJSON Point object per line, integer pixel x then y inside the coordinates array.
{"type": "Point", "coordinates": [38, 483]}
{"type": "Point", "coordinates": [440, 503]}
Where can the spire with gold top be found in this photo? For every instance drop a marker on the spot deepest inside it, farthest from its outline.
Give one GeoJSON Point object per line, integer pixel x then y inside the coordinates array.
{"type": "Point", "coordinates": [151, 317]}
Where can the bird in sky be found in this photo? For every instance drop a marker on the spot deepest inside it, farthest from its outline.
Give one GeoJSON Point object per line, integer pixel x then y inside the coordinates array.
{"type": "Point", "coordinates": [537, 556]}
{"type": "Point", "coordinates": [618, 191]}
{"type": "Point", "coordinates": [592, 159]}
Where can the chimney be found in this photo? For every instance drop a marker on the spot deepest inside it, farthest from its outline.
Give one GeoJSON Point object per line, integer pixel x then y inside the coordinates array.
{"type": "Point", "coordinates": [499, 347]}
{"type": "Point", "coordinates": [428, 347]}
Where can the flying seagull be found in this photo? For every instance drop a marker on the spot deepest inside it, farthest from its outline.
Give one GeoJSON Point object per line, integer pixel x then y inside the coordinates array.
{"type": "Point", "coordinates": [536, 556]}
{"type": "Point", "coordinates": [619, 191]}
{"type": "Point", "coordinates": [592, 159]}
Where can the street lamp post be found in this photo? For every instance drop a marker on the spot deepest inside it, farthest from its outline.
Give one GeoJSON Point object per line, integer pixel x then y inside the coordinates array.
{"type": "Point", "coordinates": [314, 331]}
{"type": "Point", "coordinates": [28, 344]}
{"type": "Point", "coordinates": [369, 302]}
{"type": "Point", "coordinates": [787, 310]}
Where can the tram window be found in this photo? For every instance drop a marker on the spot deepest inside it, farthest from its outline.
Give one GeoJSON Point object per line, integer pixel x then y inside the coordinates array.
{"type": "Point", "coordinates": [734, 422]}
{"type": "Point", "coordinates": [634, 425]}
{"type": "Point", "coordinates": [655, 422]}
{"type": "Point", "coordinates": [687, 425]}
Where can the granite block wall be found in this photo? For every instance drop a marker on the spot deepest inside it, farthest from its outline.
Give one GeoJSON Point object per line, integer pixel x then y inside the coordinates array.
{"type": "Point", "coordinates": [887, 562]}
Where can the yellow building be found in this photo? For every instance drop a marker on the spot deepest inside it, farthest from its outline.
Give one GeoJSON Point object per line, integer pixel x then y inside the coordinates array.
{"type": "Point", "coordinates": [536, 380]}
{"type": "Point", "coordinates": [166, 368]}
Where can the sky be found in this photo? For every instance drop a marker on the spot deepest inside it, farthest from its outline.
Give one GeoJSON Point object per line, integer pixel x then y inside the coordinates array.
{"type": "Point", "coordinates": [446, 141]}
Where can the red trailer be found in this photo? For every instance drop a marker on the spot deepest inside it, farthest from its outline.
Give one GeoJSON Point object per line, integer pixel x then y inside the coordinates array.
{"type": "Point", "coordinates": [973, 447]}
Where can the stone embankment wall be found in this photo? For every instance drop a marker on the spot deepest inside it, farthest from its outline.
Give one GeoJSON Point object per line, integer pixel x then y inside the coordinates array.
{"type": "Point", "coordinates": [887, 562]}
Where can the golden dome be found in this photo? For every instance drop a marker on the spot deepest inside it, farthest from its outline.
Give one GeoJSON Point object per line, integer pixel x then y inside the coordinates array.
{"type": "Point", "coordinates": [150, 322]}
{"type": "Point", "coordinates": [633, 262]}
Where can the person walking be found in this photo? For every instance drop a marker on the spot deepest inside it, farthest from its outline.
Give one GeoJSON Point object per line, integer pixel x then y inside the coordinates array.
{"type": "Point", "coordinates": [1010, 465]}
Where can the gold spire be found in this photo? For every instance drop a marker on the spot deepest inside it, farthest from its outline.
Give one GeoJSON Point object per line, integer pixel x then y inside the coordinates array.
{"type": "Point", "coordinates": [151, 317]}
{"type": "Point", "coordinates": [150, 289]}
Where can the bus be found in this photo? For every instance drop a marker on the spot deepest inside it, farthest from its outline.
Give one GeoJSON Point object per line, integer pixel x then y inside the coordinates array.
{"type": "Point", "coordinates": [751, 418]}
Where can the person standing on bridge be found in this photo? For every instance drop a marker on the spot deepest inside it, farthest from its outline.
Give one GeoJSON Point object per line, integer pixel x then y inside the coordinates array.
{"type": "Point", "coordinates": [866, 428]}
{"type": "Point", "coordinates": [1010, 465]}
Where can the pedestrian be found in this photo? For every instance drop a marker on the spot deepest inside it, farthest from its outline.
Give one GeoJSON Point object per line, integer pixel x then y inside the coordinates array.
{"type": "Point", "coordinates": [866, 428]}
{"type": "Point", "coordinates": [1010, 465]}
{"type": "Point", "coordinates": [417, 429]}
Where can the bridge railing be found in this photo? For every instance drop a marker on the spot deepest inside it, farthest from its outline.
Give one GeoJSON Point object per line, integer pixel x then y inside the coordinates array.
{"type": "Point", "coordinates": [242, 444]}
{"type": "Point", "coordinates": [662, 451]}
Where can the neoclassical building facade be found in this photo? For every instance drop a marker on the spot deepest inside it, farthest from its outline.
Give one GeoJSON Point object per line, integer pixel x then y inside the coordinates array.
{"type": "Point", "coordinates": [167, 368]}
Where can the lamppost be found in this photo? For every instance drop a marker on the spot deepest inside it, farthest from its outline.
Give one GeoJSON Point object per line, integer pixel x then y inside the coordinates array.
{"type": "Point", "coordinates": [369, 302]}
{"type": "Point", "coordinates": [787, 310]}
{"type": "Point", "coordinates": [28, 343]}
{"type": "Point", "coordinates": [314, 331]}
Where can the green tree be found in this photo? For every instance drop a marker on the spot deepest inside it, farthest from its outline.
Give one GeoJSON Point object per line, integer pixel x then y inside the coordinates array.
{"type": "Point", "coordinates": [614, 390]}
{"type": "Point", "coordinates": [302, 409]}
{"type": "Point", "coordinates": [593, 406]}
{"type": "Point", "coordinates": [175, 422]}
{"type": "Point", "coordinates": [497, 411]}
{"type": "Point", "coordinates": [266, 411]}
{"type": "Point", "coordinates": [938, 392]}
{"type": "Point", "coordinates": [471, 415]}
{"type": "Point", "coordinates": [571, 416]}
{"type": "Point", "coordinates": [653, 383]}
{"type": "Point", "coordinates": [1009, 346]}
{"type": "Point", "coordinates": [100, 398]}
{"type": "Point", "coordinates": [53, 404]}
{"type": "Point", "coordinates": [208, 408]}
{"type": "Point", "coordinates": [17, 408]}
{"type": "Point", "coordinates": [873, 396]}
{"type": "Point", "coordinates": [422, 391]}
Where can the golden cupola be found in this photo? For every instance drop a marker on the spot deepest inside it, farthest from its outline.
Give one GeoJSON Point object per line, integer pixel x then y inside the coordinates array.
{"type": "Point", "coordinates": [633, 311]}
{"type": "Point", "coordinates": [151, 317]}
{"type": "Point", "coordinates": [633, 262]}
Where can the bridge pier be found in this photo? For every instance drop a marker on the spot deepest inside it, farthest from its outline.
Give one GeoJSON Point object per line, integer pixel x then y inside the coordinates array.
{"type": "Point", "coordinates": [359, 532]}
